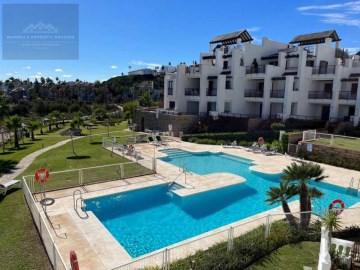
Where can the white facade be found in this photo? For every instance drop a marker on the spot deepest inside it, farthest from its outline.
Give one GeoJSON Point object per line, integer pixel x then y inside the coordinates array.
{"type": "Point", "coordinates": [304, 82]}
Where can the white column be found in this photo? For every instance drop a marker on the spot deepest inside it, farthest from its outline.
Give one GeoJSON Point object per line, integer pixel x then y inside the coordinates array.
{"type": "Point", "coordinates": [324, 256]}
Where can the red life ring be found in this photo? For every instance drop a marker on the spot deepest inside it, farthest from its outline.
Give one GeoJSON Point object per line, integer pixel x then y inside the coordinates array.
{"type": "Point", "coordinates": [73, 261]}
{"type": "Point", "coordinates": [337, 201]}
{"type": "Point", "coordinates": [42, 175]}
{"type": "Point", "coordinates": [261, 141]}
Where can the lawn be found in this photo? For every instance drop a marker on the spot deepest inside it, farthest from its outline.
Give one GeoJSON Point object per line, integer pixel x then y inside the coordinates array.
{"type": "Point", "coordinates": [20, 244]}
{"type": "Point", "coordinates": [340, 142]}
{"type": "Point", "coordinates": [292, 256]}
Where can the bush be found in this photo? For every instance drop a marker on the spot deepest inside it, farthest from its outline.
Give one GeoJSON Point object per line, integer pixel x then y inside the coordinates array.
{"type": "Point", "coordinates": [292, 123]}
{"type": "Point", "coordinates": [277, 126]}
{"type": "Point", "coordinates": [245, 138]}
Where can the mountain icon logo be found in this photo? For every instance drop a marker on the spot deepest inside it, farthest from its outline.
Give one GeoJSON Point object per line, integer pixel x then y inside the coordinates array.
{"type": "Point", "coordinates": [40, 28]}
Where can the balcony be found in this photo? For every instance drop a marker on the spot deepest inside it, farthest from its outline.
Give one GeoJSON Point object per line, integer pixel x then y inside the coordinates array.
{"type": "Point", "coordinates": [193, 70]}
{"type": "Point", "coordinates": [170, 91]}
{"type": "Point", "coordinates": [255, 70]}
{"type": "Point", "coordinates": [277, 93]}
{"type": "Point", "coordinates": [254, 93]}
{"type": "Point", "coordinates": [323, 70]}
{"type": "Point", "coordinates": [211, 92]}
{"type": "Point", "coordinates": [319, 95]}
{"type": "Point", "coordinates": [347, 95]}
{"type": "Point", "coordinates": [192, 92]}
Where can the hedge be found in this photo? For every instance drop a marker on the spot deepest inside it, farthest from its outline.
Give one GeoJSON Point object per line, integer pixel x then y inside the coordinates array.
{"type": "Point", "coordinates": [226, 138]}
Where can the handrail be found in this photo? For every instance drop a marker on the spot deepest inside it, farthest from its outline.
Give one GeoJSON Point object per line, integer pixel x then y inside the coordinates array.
{"type": "Point", "coordinates": [75, 202]}
{"type": "Point", "coordinates": [352, 182]}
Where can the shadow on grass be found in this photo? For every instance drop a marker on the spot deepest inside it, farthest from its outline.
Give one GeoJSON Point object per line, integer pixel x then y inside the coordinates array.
{"type": "Point", "coordinates": [96, 143]}
{"type": "Point", "coordinates": [6, 166]}
{"type": "Point", "coordinates": [6, 153]}
{"type": "Point", "coordinates": [8, 193]}
{"type": "Point", "coordinates": [28, 143]}
{"type": "Point", "coordinates": [78, 157]}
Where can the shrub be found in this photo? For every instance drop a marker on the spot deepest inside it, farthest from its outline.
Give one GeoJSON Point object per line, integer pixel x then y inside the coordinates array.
{"type": "Point", "coordinates": [277, 126]}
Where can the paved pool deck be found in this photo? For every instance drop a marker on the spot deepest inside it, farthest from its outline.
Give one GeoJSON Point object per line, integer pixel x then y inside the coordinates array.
{"type": "Point", "coordinates": [98, 249]}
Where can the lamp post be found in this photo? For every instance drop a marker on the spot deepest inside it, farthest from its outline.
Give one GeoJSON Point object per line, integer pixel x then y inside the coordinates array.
{"type": "Point", "coordinates": [72, 143]}
{"type": "Point", "coordinates": [89, 128]}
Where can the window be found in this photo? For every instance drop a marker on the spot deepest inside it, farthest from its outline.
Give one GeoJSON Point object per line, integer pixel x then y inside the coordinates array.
{"type": "Point", "coordinates": [295, 88]}
{"type": "Point", "coordinates": [227, 107]}
{"type": "Point", "coordinates": [170, 88]}
{"type": "Point", "coordinates": [310, 63]}
{"type": "Point", "coordinates": [226, 50]}
{"type": "Point", "coordinates": [172, 105]}
{"type": "Point", "coordinates": [293, 109]}
{"type": "Point", "coordinates": [225, 66]}
{"type": "Point", "coordinates": [354, 87]}
{"type": "Point", "coordinates": [228, 84]}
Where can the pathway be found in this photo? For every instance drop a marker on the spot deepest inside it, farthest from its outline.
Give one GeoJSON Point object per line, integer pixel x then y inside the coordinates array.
{"type": "Point", "coordinates": [26, 161]}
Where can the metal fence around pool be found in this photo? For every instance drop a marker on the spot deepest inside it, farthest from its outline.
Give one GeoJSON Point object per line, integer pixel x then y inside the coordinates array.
{"type": "Point", "coordinates": [56, 260]}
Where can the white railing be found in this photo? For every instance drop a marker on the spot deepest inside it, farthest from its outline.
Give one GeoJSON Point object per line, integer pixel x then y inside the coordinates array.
{"type": "Point", "coordinates": [52, 250]}
{"type": "Point", "coordinates": [164, 257]}
{"type": "Point", "coordinates": [329, 139]}
{"type": "Point", "coordinates": [88, 175]}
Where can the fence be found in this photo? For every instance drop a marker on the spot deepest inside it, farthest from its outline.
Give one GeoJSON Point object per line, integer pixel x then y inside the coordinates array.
{"type": "Point", "coordinates": [351, 143]}
{"type": "Point", "coordinates": [262, 232]}
{"type": "Point", "coordinates": [55, 257]}
{"type": "Point", "coordinates": [83, 176]}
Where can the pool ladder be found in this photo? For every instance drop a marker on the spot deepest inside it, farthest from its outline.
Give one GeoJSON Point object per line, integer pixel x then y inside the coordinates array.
{"type": "Point", "coordinates": [82, 205]}
{"type": "Point", "coordinates": [351, 186]}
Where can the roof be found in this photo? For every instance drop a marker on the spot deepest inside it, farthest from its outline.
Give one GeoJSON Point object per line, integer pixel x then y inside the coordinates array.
{"type": "Point", "coordinates": [315, 38]}
{"type": "Point", "coordinates": [232, 37]}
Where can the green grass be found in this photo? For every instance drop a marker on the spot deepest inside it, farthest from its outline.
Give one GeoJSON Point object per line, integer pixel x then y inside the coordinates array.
{"type": "Point", "coordinates": [340, 142]}
{"type": "Point", "coordinates": [292, 256]}
{"type": "Point", "coordinates": [20, 244]}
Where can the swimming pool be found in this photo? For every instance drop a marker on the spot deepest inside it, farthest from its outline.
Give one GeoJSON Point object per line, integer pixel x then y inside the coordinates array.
{"type": "Point", "coordinates": [148, 219]}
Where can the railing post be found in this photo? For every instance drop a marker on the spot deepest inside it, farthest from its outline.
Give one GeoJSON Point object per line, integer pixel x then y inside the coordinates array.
{"type": "Point", "coordinates": [267, 225]}
{"type": "Point", "coordinates": [40, 226]}
{"type": "Point", "coordinates": [80, 177]}
{"type": "Point", "coordinates": [122, 175]}
{"type": "Point", "coordinates": [166, 260]}
{"type": "Point", "coordinates": [154, 165]}
{"type": "Point", "coordinates": [230, 239]}
{"type": "Point", "coordinates": [54, 254]}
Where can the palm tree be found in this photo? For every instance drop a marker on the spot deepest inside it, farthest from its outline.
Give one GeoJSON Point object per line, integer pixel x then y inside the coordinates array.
{"type": "Point", "coordinates": [281, 194]}
{"type": "Point", "coordinates": [4, 109]}
{"type": "Point", "coordinates": [332, 222]}
{"type": "Point", "coordinates": [77, 121]}
{"type": "Point", "coordinates": [300, 175]}
{"type": "Point", "coordinates": [32, 126]}
{"type": "Point", "coordinates": [14, 123]}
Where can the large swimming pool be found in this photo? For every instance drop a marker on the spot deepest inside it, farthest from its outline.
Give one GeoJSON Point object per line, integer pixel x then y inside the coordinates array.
{"type": "Point", "coordinates": [152, 218]}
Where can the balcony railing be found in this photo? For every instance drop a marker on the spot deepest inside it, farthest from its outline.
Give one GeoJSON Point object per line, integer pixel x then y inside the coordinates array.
{"type": "Point", "coordinates": [254, 93]}
{"type": "Point", "coordinates": [277, 93]}
{"type": "Point", "coordinates": [193, 70]}
{"type": "Point", "coordinates": [255, 70]}
{"type": "Point", "coordinates": [211, 92]}
{"type": "Point", "coordinates": [319, 70]}
{"type": "Point", "coordinates": [239, 115]}
{"type": "Point", "coordinates": [304, 117]}
{"type": "Point", "coordinates": [320, 95]}
{"type": "Point", "coordinates": [170, 91]}
{"type": "Point", "coordinates": [192, 92]}
{"type": "Point", "coordinates": [291, 68]}
{"type": "Point", "coordinates": [347, 95]}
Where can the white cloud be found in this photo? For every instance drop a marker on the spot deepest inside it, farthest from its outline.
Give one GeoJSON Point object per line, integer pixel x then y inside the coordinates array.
{"type": "Point", "coordinates": [353, 50]}
{"type": "Point", "coordinates": [253, 29]}
{"type": "Point", "coordinates": [343, 15]}
{"type": "Point", "coordinates": [8, 74]}
{"type": "Point", "coordinates": [58, 70]}
{"type": "Point", "coordinates": [349, 6]}
{"type": "Point", "coordinates": [67, 75]}
{"type": "Point", "coordinates": [113, 66]}
{"type": "Point", "coordinates": [141, 63]}
{"type": "Point", "coordinates": [39, 73]}
{"type": "Point", "coordinates": [27, 67]}
{"type": "Point", "coordinates": [35, 76]}
{"type": "Point", "coordinates": [114, 76]}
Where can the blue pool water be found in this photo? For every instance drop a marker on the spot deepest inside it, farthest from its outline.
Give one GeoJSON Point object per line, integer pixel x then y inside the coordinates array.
{"type": "Point", "coordinates": [149, 219]}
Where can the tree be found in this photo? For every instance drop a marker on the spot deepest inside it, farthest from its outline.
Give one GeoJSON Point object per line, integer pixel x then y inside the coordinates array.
{"type": "Point", "coordinates": [300, 175]}
{"type": "Point", "coordinates": [14, 124]}
{"type": "Point", "coordinates": [280, 195]}
{"type": "Point", "coordinates": [129, 109]}
{"type": "Point", "coordinates": [145, 100]}
{"type": "Point", "coordinates": [4, 109]}
{"type": "Point", "coordinates": [32, 126]}
{"type": "Point", "coordinates": [76, 122]}
{"type": "Point", "coordinates": [332, 222]}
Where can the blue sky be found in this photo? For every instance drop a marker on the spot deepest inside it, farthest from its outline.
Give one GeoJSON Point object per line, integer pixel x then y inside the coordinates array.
{"type": "Point", "coordinates": [116, 34]}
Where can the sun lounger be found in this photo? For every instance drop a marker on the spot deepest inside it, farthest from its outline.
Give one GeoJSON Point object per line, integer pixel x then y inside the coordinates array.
{"type": "Point", "coordinates": [271, 151]}
{"type": "Point", "coordinates": [6, 186]}
{"type": "Point", "coordinates": [160, 141]}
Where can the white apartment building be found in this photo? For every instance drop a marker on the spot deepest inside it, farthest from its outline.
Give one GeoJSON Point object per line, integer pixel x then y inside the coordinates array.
{"type": "Point", "coordinates": [302, 79]}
